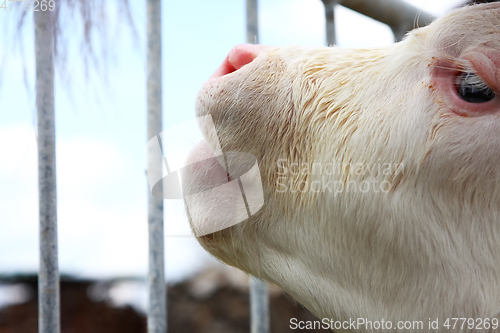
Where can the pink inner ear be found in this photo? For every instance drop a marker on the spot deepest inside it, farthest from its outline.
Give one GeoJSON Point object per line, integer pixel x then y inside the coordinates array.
{"type": "Point", "coordinates": [486, 64]}
{"type": "Point", "coordinates": [238, 57]}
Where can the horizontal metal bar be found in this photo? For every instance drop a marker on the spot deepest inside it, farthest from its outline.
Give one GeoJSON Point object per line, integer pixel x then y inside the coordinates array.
{"type": "Point", "coordinates": [399, 15]}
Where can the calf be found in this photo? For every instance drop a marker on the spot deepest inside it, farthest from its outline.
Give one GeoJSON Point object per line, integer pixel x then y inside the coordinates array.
{"type": "Point", "coordinates": [380, 173]}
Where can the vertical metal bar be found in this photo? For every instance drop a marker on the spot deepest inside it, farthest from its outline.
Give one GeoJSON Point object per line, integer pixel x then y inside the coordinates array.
{"type": "Point", "coordinates": [157, 314]}
{"type": "Point", "coordinates": [399, 33]}
{"type": "Point", "coordinates": [48, 276]}
{"type": "Point", "coordinates": [330, 21]}
{"type": "Point", "coordinates": [259, 294]}
{"type": "Point", "coordinates": [259, 306]}
{"type": "Point", "coordinates": [252, 22]}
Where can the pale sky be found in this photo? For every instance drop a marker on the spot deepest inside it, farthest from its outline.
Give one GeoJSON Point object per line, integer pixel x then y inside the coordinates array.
{"type": "Point", "coordinates": [101, 135]}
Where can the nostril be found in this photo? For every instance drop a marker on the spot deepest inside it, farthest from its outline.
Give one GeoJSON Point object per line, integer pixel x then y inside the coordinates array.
{"type": "Point", "coordinates": [241, 55]}
{"type": "Point", "coordinates": [238, 57]}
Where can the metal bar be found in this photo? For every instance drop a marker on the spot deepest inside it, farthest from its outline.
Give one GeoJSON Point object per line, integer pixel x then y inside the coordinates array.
{"type": "Point", "coordinates": [48, 276]}
{"type": "Point", "coordinates": [400, 16]}
{"type": "Point", "coordinates": [330, 21]}
{"type": "Point", "coordinates": [259, 306]}
{"type": "Point", "coordinates": [157, 314]}
{"type": "Point", "coordinates": [252, 22]}
{"type": "Point", "coordinates": [259, 294]}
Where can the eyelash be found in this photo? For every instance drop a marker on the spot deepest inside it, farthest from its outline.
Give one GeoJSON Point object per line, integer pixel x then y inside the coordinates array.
{"type": "Point", "coordinates": [471, 88]}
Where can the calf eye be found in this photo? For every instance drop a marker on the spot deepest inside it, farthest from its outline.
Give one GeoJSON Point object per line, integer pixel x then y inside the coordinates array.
{"type": "Point", "coordinates": [472, 89]}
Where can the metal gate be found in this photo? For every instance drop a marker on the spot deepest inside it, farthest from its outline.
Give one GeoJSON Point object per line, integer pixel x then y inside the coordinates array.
{"type": "Point", "coordinates": [384, 11]}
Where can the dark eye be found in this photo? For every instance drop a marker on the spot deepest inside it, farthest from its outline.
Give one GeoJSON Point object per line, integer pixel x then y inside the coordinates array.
{"type": "Point", "coordinates": [472, 89]}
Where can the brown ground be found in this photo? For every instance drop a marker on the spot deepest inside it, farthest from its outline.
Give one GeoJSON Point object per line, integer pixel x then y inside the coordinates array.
{"type": "Point", "coordinates": [208, 303]}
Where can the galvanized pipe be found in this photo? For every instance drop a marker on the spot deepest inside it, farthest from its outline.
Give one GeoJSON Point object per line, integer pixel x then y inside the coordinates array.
{"type": "Point", "coordinates": [400, 16]}
{"type": "Point", "coordinates": [48, 275]}
{"type": "Point", "coordinates": [252, 22]}
{"type": "Point", "coordinates": [259, 306]}
{"type": "Point", "coordinates": [259, 294]}
{"type": "Point", "coordinates": [330, 21]}
{"type": "Point", "coordinates": [157, 314]}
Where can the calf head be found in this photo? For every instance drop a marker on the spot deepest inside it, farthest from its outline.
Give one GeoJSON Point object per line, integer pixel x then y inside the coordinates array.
{"type": "Point", "coordinates": [380, 170]}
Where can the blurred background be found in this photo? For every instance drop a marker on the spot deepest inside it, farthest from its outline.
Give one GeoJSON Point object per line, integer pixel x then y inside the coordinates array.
{"type": "Point", "coordinates": [100, 107]}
